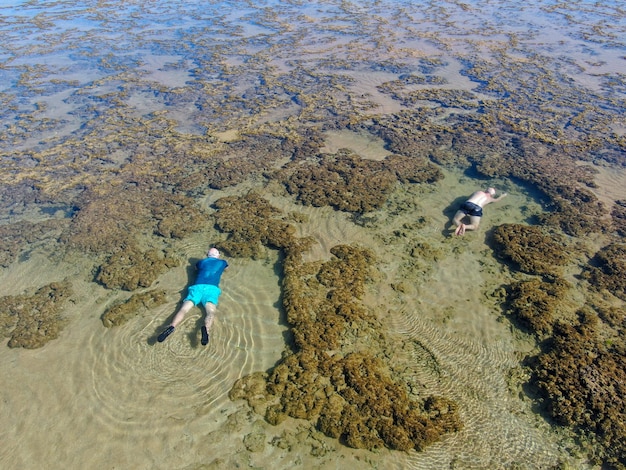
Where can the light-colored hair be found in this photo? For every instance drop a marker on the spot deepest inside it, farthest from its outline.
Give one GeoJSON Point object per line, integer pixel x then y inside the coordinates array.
{"type": "Point", "coordinates": [491, 191]}
{"type": "Point", "coordinates": [213, 253]}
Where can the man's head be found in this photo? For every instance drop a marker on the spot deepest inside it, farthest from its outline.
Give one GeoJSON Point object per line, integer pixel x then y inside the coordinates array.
{"type": "Point", "coordinates": [213, 253]}
{"type": "Point", "coordinates": [491, 191]}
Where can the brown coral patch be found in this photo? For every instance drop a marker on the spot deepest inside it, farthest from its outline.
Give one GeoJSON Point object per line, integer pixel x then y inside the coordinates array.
{"type": "Point", "coordinates": [378, 410]}
{"type": "Point", "coordinates": [344, 181]}
{"type": "Point", "coordinates": [14, 237]}
{"type": "Point", "coordinates": [534, 303]}
{"type": "Point", "coordinates": [573, 208]}
{"type": "Point", "coordinates": [131, 268]}
{"type": "Point", "coordinates": [334, 375]}
{"type": "Point", "coordinates": [349, 183]}
{"type": "Point", "coordinates": [619, 217]}
{"type": "Point", "coordinates": [239, 161]}
{"type": "Point", "coordinates": [121, 313]}
{"type": "Point", "coordinates": [30, 321]}
{"type": "Point", "coordinates": [109, 217]}
{"type": "Point", "coordinates": [531, 249]}
{"type": "Point", "coordinates": [613, 316]}
{"type": "Point", "coordinates": [584, 381]}
{"type": "Point", "coordinates": [412, 169]}
{"type": "Point", "coordinates": [253, 222]}
{"type": "Point", "coordinates": [608, 270]}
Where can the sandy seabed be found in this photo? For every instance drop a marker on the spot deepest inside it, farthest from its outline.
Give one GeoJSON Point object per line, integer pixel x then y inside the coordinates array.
{"type": "Point", "coordinates": [113, 398]}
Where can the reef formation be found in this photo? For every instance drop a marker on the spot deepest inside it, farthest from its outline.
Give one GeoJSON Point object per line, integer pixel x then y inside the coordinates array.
{"type": "Point", "coordinates": [141, 302]}
{"type": "Point", "coordinates": [580, 370]}
{"type": "Point", "coordinates": [334, 373]}
{"type": "Point", "coordinates": [347, 182]}
{"type": "Point", "coordinates": [126, 185]}
{"type": "Point", "coordinates": [32, 320]}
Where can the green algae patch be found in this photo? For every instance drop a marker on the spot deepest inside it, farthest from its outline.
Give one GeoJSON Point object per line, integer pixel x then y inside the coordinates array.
{"type": "Point", "coordinates": [136, 304]}
{"type": "Point", "coordinates": [31, 321]}
{"type": "Point", "coordinates": [335, 373]}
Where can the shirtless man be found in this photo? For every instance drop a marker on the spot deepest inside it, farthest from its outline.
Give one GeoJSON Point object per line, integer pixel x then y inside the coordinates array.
{"type": "Point", "coordinates": [473, 208]}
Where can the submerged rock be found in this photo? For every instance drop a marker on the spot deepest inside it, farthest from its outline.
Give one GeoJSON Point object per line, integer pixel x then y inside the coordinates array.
{"type": "Point", "coordinates": [534, 303]}
{"type": "Point", "coordinates": [608, 270]}
{"type": "Point", "coordinates": [530, 248]}
{"type": "Point", "coordinates": [31, 321]}
{"type": "Point", "coordinates": [334, 374]}
{"type": "Point", "coordinates": [121, 313]}
{"type": "Point", "coordinates": [350, 183]}
{"type": "Point", "coordinates": [584, 382]}
{"type": "Point", "coordinates": [131, 268]}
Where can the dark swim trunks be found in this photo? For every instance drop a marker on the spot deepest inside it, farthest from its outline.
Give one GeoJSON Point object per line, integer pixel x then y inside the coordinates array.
{"type": "Point", "coordinates": [471, 209]}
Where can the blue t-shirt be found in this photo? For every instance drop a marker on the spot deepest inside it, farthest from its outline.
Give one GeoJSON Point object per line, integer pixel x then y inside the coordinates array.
{"type": "Point", "coordinates": [210, 271]}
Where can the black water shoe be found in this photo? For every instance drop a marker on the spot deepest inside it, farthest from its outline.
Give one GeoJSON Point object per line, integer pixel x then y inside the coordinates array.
{"type": "Point", "coordinates": [166, 332]}
{"type": "Point", "coordinates": [205, 336]}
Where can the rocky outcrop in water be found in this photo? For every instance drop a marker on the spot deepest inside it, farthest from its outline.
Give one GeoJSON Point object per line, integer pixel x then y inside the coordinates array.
{"type": "Point", "coordinates": [608, 270]}
{"type": "Point", "coordinates": [335, 373]}
{"type": "Point", "coordinates": [137, 303]}
{"type": "Point", "coordinates": [531, 248]}
{"type": "Point", "coordinates": [32, 320]}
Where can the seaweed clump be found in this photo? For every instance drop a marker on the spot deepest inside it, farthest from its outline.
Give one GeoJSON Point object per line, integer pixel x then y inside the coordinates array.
{"type": "Point", "coordinates": [534, 302]}
{"type": "Point", "coordinates": [14, 237]}
{"type": "Point", "coordinates": [573, 207]}
{"type": "Point", "coordinates": [350, 183]}
{"type": "Point", "coordinates": [112, 216]}
{"type": "Point", "coordinates": [240, 161]}
{"type": "Point", "coordinates": [253, 223]}
{"type": "Point", "coordinates": [581, 371]}
{"type": "Point", "coordinates": [584, 382]}
{"type": "Point", "coordinates": [532, 251]}
{"type": "Point", "coordinates": [30, 321]}
{"type": "Point", "coordinates": [334, 375]}
{"type": "Point", "coordinates": [619, 217]}
{"type": "Point", "coordinates": [121, 313]}
{"type": "Point", "coordinates": [371, 410]}
{"type": "Point", "coordinates": [608, 270]}
{"type": "Point", "coordinates": [132, 268]}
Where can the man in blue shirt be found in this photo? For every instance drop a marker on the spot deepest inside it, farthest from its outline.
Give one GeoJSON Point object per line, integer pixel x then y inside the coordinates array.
{"type": "Point", "coordinates": [204, 291]}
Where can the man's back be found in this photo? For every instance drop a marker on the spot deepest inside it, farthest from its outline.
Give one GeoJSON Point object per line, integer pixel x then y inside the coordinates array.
{"type": "Point", "coordinates": [210, 271]}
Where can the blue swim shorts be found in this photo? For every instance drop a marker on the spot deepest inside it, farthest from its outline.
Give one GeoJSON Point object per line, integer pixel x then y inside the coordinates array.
{"type": "Point", "coordinates": [203, 293]}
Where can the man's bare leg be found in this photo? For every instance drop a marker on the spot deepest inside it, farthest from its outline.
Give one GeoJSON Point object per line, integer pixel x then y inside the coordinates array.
{"type": "Point", "coordinates": [182, 311]}
{"type": "Point", "coordinates": [473, 225]}
{"type": "Point", "coordinates": [458, 217]}
{"type": "Point", "coordinates": [208, 321]}
{"type": "Point", "coordinates": [180, 315]}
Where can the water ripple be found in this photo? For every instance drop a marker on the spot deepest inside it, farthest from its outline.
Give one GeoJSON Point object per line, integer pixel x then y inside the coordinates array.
{"type": "Point", "coordinates": [180, 379]}
{"type": "Point", "coordinates": [498, 431]}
